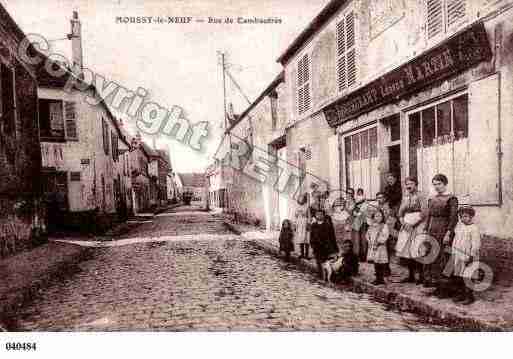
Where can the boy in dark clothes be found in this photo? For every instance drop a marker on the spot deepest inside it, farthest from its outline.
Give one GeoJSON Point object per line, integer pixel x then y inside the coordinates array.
{"type": "Point", "coordinates": [322, 239]}
{"type": "Point", "coordinates": [350, 264]}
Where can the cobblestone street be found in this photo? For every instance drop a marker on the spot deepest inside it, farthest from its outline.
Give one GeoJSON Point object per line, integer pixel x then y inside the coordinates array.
{"type": "Point", "coordinates": [212, 280]}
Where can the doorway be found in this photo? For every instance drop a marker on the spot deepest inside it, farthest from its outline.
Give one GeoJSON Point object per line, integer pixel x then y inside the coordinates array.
{"type": "Point", "coordinates": [394, 159]}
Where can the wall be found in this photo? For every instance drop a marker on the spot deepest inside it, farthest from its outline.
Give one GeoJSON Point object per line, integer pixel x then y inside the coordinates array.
{"type": "Point", "coordinates": [22, 215]}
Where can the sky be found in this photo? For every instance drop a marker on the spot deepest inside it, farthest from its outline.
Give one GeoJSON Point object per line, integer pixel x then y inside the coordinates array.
{"type": "Point", "coordinates": [177, 63]}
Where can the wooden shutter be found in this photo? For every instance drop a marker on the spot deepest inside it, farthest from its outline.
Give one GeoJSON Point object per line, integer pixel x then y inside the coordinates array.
{"type": "Point", "coordinates": [114, 141]}
{"type": "Point", "coordinates": [346, 52]}
{"type": "Point", "coordinates": [456, 10]}
{"type": "Point", "coordinates": [303, 78]}
{"type": "Point", "coordinates": [435, 18]}
{"type": "Point", "coordinates": [483, 135]}
{"type": "Point", "coordinates": [341, 55]}
{"type": "Point", "coordinates": [105, 130]}
{"type": "Point", "coordinates": [70, 117]}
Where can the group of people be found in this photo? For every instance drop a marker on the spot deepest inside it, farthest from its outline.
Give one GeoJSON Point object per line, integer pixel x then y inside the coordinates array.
{"type": "Point", "coordinates": [434, 238]}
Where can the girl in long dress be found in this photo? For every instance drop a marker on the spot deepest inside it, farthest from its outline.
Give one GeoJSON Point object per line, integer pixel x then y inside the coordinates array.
{"type": "Point", "coordinates": [412, 214]}
{"type": "Point", "coordinates": [302, 223]}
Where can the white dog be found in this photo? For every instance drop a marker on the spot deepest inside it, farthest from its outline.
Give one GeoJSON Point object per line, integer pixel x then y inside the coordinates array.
{"type": "Point", "coordinates": [333, 264]}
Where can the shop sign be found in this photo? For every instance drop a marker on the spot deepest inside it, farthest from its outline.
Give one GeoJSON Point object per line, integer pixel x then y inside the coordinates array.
{"type": "Point", "coordinates": [453, 56]}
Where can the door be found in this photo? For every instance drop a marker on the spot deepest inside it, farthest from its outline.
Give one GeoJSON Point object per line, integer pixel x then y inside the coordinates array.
{"type": "Point", "coordinates": [282, 197]}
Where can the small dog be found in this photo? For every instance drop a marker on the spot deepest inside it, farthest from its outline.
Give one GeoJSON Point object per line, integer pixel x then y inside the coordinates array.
{"type": "Point", "coordinates": [332, 265]}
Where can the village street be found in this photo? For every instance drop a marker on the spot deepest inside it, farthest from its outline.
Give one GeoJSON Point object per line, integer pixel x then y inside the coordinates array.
{"type": "Point", "coordinates": [201, 278]}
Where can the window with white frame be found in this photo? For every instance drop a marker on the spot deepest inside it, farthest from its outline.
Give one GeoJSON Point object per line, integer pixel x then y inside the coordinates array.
{"type": "Point", "coordinates": [438, 143]}
{"type": "Point", "coordinates": [361, 161]}
{"type": "Point", "coordinates": [444, 15]}
{"type": "Point", "coordinates": [346, 52]}
{"type": "Point", "coordinates": [303, 83]}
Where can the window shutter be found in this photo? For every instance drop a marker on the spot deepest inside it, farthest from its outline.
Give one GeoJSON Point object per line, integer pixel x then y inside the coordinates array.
{"type": "Point", "coordinates": [114, 146]}
{"type": "Point", "coordinates": [306, 99]}
{"type": "Point", "coordinates": [350, 31]}
{"type": "Point", "coordinates": [341, 53]}
{"type": "Point", "coordinates": [303, 76]}
{"type": "Point", "coordinates": [455, 11]}
{"type": "Point", "coordinates": [346, 52]}
{"type": "Point", "coordinates": [70, 118]}
{"type": "Point", "coordinates": [105, 128]}
{"type": "Point", "coordinates": [351, 67]}
{"type": "Point", "coordinates": [483, 135]}
{"type": "Point", "coordinates": [435, 24]}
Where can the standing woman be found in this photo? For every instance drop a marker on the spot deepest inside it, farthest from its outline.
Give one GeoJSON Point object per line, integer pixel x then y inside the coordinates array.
{"type": "Point", "coordinates": [302, 224]}
{"type": "Point", "coordinates": [441, 222]}
{"type": "Point", "coordinates": [412, 214]}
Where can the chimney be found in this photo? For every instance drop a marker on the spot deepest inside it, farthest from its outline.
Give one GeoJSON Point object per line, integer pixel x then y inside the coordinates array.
{"type": "Point", "coordinates": [76, 44]}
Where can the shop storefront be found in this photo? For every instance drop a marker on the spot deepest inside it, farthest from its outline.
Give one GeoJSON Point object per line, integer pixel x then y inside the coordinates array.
{"type": "Point", "coordinates": [438, 113]}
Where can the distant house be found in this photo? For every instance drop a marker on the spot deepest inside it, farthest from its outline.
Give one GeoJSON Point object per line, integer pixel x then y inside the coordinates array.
{"type": "Point", "coordinates": [195, 183]}
{"type": "Point", "coordinates": [140, 156]}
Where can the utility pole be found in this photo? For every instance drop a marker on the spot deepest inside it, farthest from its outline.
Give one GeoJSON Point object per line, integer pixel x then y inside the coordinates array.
{"type": "Point", "coordinates": [226, 123]}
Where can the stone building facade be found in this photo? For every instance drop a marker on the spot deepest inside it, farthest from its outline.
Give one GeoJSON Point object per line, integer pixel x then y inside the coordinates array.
{"type": "Point", "coordinates": [415, 88]}
{"type": "Point", "coordinates": [22, 217]}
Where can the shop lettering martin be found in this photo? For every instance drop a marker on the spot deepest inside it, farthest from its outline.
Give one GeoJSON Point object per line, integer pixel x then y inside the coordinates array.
{"type": "Point", "coordinates": [461, 52]}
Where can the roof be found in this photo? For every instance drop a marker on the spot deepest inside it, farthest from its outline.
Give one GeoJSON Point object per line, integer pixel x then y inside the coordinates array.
{"type": "Point", "coordinates": [11, 24]}
{"type": "Point", "coordinates": [192, 179]}
{"type": "Point", "coordinates": [277, 80]}
{"type": "Point", "coordinates": [322, 18]}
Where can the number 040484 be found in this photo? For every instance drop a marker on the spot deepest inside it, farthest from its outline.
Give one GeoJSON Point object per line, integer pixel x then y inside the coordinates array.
{"type": "Point", "coordinates": [12, 346]}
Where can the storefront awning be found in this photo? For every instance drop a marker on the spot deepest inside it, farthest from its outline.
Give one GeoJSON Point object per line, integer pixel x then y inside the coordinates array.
{"type": "Point", "coordinates": [455, 55]}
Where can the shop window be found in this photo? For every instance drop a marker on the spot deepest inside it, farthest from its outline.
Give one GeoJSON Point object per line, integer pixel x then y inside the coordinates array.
{"type": "Point", "coordinates": [440, 128]}
{"type": "Point", "coordinates": [444, 123]}
{"type": "Point", "coordinates": [460, 115]}
{"type": "Point", "coordinates": [428, 127]}
{"type": "Point", "coordinates": [361, 161]}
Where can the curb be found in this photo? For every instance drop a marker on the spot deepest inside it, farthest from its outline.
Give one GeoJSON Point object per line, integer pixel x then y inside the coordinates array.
{"type": "Point", "coordinates": [392, 298]}
{"type": "Point", "coordinates": [10, 306]}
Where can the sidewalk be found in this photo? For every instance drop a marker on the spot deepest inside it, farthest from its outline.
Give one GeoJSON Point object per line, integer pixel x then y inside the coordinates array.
{"type": "Point", "coordinates": [492, 311]}
{"type": "Point", "coordinates": [24, 274]}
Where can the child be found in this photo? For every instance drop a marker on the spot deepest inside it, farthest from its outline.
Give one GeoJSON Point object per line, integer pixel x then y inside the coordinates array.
{"type": "Point", "coordinates": [377, 236]}
{"type": "Point", "coordinates": [322, 239]}
{"type": "Point", "coordinates": [286, 239]}
{"type": "Point", "coordinates": [359, 224]}
{"type": "Point", "coordinates": [350, 263]}
{"type": "Point", "coordinates": [465, 250]}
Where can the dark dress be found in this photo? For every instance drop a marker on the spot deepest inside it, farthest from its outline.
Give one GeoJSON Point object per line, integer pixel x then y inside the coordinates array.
{"type": "Point", "coordinates": [286, 240]}
{"type": "Point", "coordinates": [442, 218]}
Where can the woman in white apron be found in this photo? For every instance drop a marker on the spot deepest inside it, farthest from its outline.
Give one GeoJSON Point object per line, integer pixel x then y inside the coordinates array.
{"type": "Point", "coordinates": [412, 214]}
